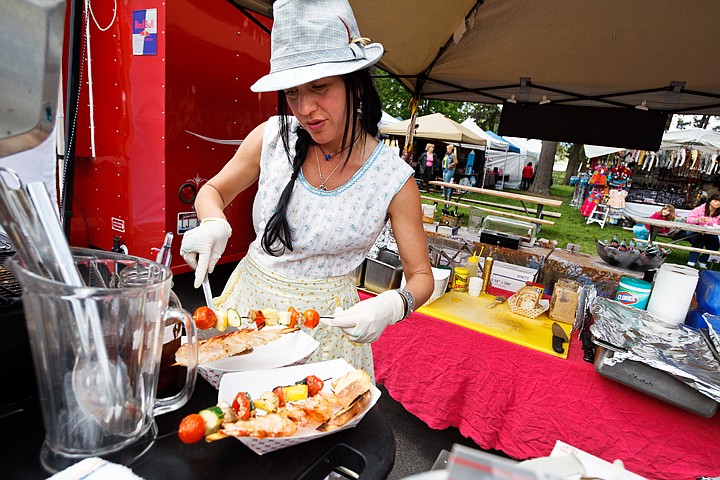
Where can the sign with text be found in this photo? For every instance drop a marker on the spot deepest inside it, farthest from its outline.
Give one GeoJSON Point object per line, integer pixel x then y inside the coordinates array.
{"type": "Point", "coordinates": [144, 31]}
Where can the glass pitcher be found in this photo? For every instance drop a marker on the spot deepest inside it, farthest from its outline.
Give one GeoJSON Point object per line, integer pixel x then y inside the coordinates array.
{"type": "Point", "coordinates": [97, 352]}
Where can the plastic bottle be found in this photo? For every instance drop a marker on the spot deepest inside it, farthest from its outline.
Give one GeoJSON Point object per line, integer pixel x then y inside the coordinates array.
{"type": "Point", "coordinates": [460, 280]}
{"type": "Point", "coordinates": [472, 265]}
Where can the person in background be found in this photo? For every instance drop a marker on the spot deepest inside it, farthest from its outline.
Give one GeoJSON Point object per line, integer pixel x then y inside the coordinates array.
{"type": "Point", "coordinates": [527, 176]}
{"type": "Point", "coordinates": [667, 213]}
{"type": "Point", "coordinates": [426, 165]}
{"type": "Point", "coordinates": [326, 189]}
{"type": "Point", "coordinates": [449, 163]}
{"type": "Point", "coordinates": [707, 215]}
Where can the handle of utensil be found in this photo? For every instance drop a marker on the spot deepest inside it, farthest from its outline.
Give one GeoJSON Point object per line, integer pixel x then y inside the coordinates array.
{"type": "Point", "coordinates": [16, 217]}
{"type": "Point", "coordinates": [208, 292]}
{"type": "Point", "coordinates": [50, 238]}
{"type": "Point", "coordinates": [169, 404]}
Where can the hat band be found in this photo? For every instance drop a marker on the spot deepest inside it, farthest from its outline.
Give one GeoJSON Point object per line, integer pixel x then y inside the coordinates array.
{"type": "Point", "coordinates": [349, 52]}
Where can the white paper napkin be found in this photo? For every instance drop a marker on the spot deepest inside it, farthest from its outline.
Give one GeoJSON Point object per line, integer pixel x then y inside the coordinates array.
{"type": "Point", "coordinates": [95, 469]}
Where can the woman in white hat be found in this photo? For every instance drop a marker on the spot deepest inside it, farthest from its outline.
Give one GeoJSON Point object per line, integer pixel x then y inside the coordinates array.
{"type": "Point", "coordinates": [326, 189]}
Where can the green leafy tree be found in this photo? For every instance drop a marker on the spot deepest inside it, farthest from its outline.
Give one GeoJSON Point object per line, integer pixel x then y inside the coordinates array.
{"type": "Point", "coordinates": [395, 100]}
{"type": "Point", "coordinates": [486, 116]}
{"type": "Point", "coordinates": [697, 121]}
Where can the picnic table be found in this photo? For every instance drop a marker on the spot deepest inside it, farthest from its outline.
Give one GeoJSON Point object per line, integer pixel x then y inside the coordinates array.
{"type": "Point", "coordinates": [656, 224]}
{"type": "Point", "coordinates": [539, 221]}
{"type": "Point", "coordinates": [460, 190]}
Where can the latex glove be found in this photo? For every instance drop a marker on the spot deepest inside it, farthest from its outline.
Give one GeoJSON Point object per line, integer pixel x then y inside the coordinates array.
{"type": "Point", "coordinates": [202, 246]}
{"type": "Point", "coordinates": [365, 321]}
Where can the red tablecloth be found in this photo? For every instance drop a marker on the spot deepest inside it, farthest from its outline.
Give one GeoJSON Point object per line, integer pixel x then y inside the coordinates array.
{"type": "Point", "coordinates": [520, 401]}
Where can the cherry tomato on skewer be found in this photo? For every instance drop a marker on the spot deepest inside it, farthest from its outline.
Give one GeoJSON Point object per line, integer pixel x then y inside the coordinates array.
{"type": "Point", "coordinates": [311, 318]}
{"type": "Point", "coordinates": [281, 396]}
{"type": "Point", "coordinates": [315, 385]}
{"type": "Point", "coordinates": [204, 318]}
{"type": "Point", "coordinates": [243, 406]}
{"type": "Point", "coordinates": [192, 428]}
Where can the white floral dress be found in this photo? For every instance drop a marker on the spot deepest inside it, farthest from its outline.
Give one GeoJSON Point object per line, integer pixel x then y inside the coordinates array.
{"type": "Point", "coordinates": [332, 232]}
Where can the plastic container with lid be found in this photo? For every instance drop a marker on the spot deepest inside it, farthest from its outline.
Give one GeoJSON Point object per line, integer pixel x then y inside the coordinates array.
{"type": "Point", "coordinates": [460, 279]}
{"type": "Point", "coordinates": [633, 292]}
{"type": "Point", "coordinates": [527, 231]}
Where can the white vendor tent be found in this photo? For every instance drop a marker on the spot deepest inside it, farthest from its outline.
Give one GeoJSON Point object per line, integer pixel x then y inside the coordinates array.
{"type": "Point", "coordinates": [498, 154]}
{"type": "Point", "coordinates": [387, 119]}
{"type": "Point", "coordinates": [700, 139]}
{"type": "Point", "coordinates": [492, 143]}
{"type": "Point", "coordinates": [436, 127]}
{"type": "Point", "coordinates": [695, 138]}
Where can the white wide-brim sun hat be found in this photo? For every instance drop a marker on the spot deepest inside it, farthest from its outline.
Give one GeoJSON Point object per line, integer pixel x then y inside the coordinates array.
{"type": "Point", "coordinates": [313, 39]}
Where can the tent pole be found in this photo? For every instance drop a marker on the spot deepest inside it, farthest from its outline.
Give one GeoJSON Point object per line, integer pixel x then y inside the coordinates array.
{"type": "Point", "coordinates": [410, 134]}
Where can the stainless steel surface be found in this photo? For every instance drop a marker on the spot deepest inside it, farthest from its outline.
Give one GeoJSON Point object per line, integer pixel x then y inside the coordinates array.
{"type": "Point", "coordinates": [358, 275]}
{"type": "Point", "coordinates": [389, 257]}
{"type": "Point", "coordinates": [677, 349]}
{"type": "Point", "coordinates": [207, 291]}
{"type": "Point", "coordinates": [164, 256]}
{"type": "Point", "coordinates": [527, 231]}
{"type": "Point", "coordinates": [655, 382]}
{"type": "Point", "coordinates": [30, 64]}
{"type": "Point", "coordinates": [381, 276]}
{"type": "Point", "coordinates": [635, 261]}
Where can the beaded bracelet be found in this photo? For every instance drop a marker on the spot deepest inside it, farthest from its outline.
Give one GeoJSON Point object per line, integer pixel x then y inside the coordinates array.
{"type": "Point", "coordinates": [408, 300]}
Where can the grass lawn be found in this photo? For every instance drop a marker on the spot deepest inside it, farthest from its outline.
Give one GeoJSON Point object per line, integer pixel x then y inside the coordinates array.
{"type": "Point", "coordinates": [571, 227]}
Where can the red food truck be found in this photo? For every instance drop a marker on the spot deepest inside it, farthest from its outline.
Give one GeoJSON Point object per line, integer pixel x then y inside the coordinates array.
{"type": "Point", "coordinates": [163, 98]}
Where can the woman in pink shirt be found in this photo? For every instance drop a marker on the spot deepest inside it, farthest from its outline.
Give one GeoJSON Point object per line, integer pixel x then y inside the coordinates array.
{"type": "Point", "coordinates": [426, 165]}
{"type": "Point", "coordinates": [707, 215]}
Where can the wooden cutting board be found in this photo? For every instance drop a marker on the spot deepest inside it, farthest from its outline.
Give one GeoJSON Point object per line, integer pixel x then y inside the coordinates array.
{"type": "Point", "coordinates": [472, 312]}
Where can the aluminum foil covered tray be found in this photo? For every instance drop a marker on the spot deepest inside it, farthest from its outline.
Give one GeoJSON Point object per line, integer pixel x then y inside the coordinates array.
{"type": "Point", "coordinates": [678, 350]}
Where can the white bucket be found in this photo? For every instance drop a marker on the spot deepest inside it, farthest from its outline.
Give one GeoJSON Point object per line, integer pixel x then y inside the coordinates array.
{"type": "Point", "coordinates": [441, 277]}
{"type": "Point", "coordinates": [672, 292]}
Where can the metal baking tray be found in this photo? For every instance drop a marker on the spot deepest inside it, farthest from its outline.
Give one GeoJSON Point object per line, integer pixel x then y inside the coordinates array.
{"type": "Point", "coordinates": [652, 381]}
{"type": "Point", "coordinates": [383, 273]}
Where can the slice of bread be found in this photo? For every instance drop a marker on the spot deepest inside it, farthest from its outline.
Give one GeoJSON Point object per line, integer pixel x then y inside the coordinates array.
{"type": "Point", "coordinates": [350, 386]}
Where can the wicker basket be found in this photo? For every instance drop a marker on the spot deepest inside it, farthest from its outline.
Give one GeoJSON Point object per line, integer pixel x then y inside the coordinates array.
{"type": "Point", "coordinates": [543, 305]}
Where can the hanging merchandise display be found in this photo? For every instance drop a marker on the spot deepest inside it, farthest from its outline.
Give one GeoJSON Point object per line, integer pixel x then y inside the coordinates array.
{"type": "Point", "coordinates": [677, 176]}
{"type": "Point", "coordinates": [616, 202]}
{"type": "Point", "coordinates": [580, 192]}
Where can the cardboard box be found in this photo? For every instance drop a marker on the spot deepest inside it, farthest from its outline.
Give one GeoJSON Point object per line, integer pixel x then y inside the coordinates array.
{"type": "Point", "coordinates": [511, 277]}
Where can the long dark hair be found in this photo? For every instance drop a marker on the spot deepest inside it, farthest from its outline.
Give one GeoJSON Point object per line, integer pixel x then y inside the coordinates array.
{"type": "Point", "coordinates": [714, 196]}
{"type": "Point", "coordinates": [364, 111]}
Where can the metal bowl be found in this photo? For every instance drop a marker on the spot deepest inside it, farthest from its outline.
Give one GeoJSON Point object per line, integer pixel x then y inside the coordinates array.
{"type": "Point", "coordinates": [630, 260]}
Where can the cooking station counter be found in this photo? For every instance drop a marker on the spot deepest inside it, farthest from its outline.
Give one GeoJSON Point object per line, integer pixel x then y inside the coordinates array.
{"type": "Point", "coordinates": [517, 400]}
{"type": "Point", "coordinates": [367, 449]}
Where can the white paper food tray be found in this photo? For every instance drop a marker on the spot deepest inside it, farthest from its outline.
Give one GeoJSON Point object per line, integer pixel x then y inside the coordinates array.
{"type": "Point", "coordinates": [290, 349]}
{"type": "Point", "coordinates": [257, 382]}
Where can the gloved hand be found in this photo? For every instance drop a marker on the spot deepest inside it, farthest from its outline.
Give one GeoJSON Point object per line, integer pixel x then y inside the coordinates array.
{"type": "Point", "coordinates": [365, 321]}
{"type": "Point", "coordinates": [202, 246]}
